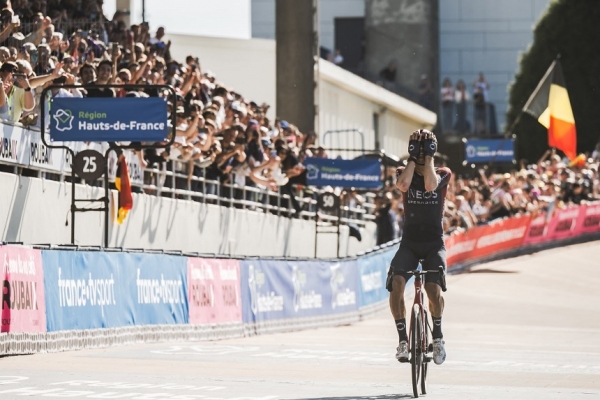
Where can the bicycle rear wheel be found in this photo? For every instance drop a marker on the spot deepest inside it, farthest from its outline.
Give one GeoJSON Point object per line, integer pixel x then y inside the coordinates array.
{"type": "Point", "coordinates": [427, 338]}
{"type": "Point", "coordinates": [416, 355]}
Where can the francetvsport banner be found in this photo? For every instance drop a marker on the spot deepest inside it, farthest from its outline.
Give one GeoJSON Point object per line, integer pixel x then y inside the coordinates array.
{"type": "Point", "coordinates": [283, 289]}
{"type": "Point", "coordinates": [363, 173]}
{"type": "Point", "coordinates": [214, 291]}
{"type": "Point", "coordinates": [373, 269]}
{"type": "Point", "coordinates": [23, 303]}
{"type": "Point", "coordinates": [108, 119]}
{"type": "Point", "coordinates": [88, 290]}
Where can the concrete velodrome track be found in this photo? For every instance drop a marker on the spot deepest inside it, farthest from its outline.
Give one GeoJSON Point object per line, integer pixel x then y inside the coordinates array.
{"type": "Point", "coordinates": [523, 328]}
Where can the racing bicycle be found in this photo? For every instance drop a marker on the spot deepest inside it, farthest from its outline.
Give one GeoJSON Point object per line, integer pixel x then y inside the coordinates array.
{"type": "Point", "coordinates": [420, 346]}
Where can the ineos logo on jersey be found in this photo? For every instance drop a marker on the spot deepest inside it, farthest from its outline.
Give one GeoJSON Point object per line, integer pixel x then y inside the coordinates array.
{"type": "Point", "coordinates": [419, 194]}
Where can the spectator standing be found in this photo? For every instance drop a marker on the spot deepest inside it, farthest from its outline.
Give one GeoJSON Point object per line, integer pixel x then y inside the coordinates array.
{"type": "Point", "coordinates": [461, 98]}
{"type": "Point", "coordinates": [448, 100]}
{"type": "Point", "coordinates": [18, 96]}
{"type": "Point", "coordinates": [384, 219]}
{"type": "Point", "coordinates": [480, 99]}
{"type": "Point", "coordinates": [338, 58]}
{"type": "Point", "coordinates": [483, 86]}
{"type": "Point", "coordinates": [388, 76]}
{"type": "Point", "coordinates": [425, 93]}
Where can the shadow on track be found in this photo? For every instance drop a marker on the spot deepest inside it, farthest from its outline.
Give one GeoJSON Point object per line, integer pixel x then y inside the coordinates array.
{"type": "Point", "coordinates": [490, 271]}
{"type": "Point", "coordinates": [381, 397]}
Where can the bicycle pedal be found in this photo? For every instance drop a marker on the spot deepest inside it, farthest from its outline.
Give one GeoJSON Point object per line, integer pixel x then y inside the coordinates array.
{"type": "Point", "coordinates": [428, 357]}
{"type": "Point", "coordinates": [403, 360]}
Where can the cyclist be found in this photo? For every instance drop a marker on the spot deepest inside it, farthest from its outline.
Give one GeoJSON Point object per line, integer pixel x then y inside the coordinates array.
{"type": "Point", "coordinates": [424, 191]}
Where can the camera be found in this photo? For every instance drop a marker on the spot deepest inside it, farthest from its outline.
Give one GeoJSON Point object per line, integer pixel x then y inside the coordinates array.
{"type": "Point", "coordinates": [16, 78]}
{"type": "Point", "coordinates": [240, 140]}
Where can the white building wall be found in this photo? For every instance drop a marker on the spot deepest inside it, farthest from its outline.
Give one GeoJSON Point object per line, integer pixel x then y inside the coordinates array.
{"type": "Point", "coordinates": [36, 211]}
{"type": "Point", "coordinates": [245, 65]}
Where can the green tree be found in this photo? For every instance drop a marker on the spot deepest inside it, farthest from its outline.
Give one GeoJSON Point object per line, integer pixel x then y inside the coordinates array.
{"type": "Point", "coordinates": [570, 28]}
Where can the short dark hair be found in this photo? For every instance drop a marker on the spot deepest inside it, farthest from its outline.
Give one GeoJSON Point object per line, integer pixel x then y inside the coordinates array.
{"type": "Point", "coordinates": [105, 62]}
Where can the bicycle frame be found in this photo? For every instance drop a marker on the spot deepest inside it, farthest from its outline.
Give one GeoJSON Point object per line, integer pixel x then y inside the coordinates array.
{"type": "Point", "coordinates": [419, 301]}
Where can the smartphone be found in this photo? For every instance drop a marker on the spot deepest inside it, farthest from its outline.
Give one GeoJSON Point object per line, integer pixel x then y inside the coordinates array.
{"type": "Point", "coordinates": [33, 57]}
{"type": "Point", "coordinates": [115, 47]}
{"type": "Point", "coordinates": [83, 34]}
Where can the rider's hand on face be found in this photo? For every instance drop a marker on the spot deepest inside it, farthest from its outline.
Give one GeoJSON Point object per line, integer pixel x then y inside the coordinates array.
{"type": "Point", "coordinates": [429, 143]}
{"type": "Point", "coordinates": [414, 145]}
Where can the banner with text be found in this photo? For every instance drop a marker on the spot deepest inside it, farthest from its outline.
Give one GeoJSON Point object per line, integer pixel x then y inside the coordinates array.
{"type": "Point", "coordinates": [362, 173]}
{"type": "Point", "coordinates": [214, 291]}
{"type": "Point", "coordinates": [14, 145]}
{"type": "Point", "coordinates": [280, 289]}
{"type": "Point", "coordinates": [373, 271]}
{"type": "Point", "coordinates": [489, 150]}
{"type": "Point", "coordinates": [108, 119]}
{"type": "Point", "coordinates": [88, 290]}
{"type": "Point", "coordinates": [23, 303]}
{"type": "Point", "coordinates": [485, 240]}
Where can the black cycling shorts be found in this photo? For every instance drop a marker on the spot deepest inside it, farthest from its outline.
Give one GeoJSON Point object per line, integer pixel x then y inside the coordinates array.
{"type": "Point", "coordinates": [432, 254]}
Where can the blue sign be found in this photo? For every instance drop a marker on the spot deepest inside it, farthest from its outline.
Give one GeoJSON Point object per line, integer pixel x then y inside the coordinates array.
{"type": "Point", "coordinates": [109, 119]}
{"type": "Point", "coordinates": [281, 289]}
{"type": "Point", "coordinates": [362, 173]}
{"type": "Point", "coordinates": [373, 273]}
{"type": "Point", "coordinates": [490, 150]}
{"type": "Point", "coordinates": [88, 290]}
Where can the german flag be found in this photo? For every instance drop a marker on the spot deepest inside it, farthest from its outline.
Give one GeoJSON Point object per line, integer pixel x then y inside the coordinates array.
{"type": "Point", "coordinates": [123, 185]}
{"type": "Point", "coordinates": [550, 104]}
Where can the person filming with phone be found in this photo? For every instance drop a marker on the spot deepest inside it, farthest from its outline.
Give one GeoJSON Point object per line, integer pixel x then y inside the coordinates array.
{"type": "Point", "coordinates": [18, 95]}
{"type": "Point", "coordinates": [423, 190]}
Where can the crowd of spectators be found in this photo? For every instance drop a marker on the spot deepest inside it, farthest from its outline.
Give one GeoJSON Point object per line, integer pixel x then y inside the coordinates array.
{"type": "Point", "coordinates": [552, 183]}
{"type": "Point", "coordinates": [220, 135]}
{"type": "Point", "coordinates": [225, 137]}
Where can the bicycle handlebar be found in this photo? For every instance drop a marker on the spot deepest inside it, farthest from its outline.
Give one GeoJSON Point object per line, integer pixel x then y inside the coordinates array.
{"type": "Point", "coordinates": [440, 271]}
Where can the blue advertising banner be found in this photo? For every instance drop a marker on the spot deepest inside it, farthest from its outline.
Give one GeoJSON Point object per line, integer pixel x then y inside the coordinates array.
{"type": "Point", "coordinates": [486, 150]}
{"type": "Point", "coordinates": [373, 271]}
{"type": "Point", "coordinates": [281, 289]}
{"type": "Point", "coordinates": [362, 173]}
{"type": "Point", "coordinates": [87, 290]}
{"type": "Point", "coordinates": [109, 119]}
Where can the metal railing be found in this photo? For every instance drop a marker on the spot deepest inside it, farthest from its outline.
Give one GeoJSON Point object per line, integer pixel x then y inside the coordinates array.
{"type": "Point", "coordinates": [177, 185]}
{"type": "Point", "coordinates": [181, 185]}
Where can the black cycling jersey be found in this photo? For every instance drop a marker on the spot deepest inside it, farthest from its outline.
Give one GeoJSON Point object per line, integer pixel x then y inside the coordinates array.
{"type": "Point", "coordinates": [423, 210]}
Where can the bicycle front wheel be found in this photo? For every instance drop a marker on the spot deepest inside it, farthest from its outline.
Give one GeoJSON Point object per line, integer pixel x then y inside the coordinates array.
{"type": "Point", "coordinates": [416, 355]}
{"type": "Point", "coordinates": [427, 344]}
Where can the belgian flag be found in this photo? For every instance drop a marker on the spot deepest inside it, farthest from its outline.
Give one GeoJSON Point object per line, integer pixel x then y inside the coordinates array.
{"type": "Point", "coordinates": [123, 185]}
{"type": "Point", "coordinates": [550, 104]}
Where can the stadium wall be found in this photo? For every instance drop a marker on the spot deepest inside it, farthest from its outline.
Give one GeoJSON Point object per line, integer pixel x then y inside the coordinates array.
{"type": "Point", "coordinates": [36, 211]}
